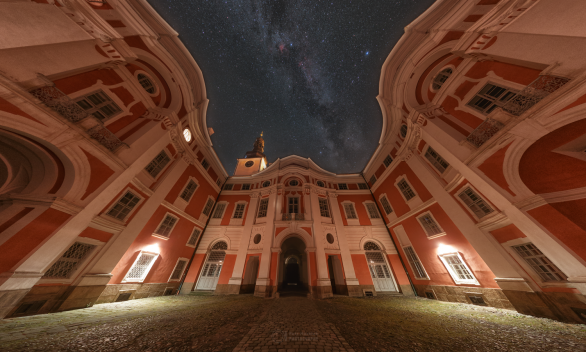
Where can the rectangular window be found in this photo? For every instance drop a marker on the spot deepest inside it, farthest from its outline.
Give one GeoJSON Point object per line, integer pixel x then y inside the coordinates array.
{"type": "Point", "coordinates": [194, 236]}
{"type": "Point", "coordinates": [362, 186]}
{"type": "Point", "coordinates": [350, 212]}
{"type": "Point", "coordinates": [478, 206]}
{"type": "Point", "coordinates": [342, 186]}
{"type": "Point", "coordinates": [436, 160]}
{"type": "Point", "coordinates": [228, 186]}
{"type": "Point", "coordinates": [539, 262]}
{"type": "Point", "coordinates": [416, 265]}
{"type": "Point", "coordinates": [157, 164]}
{"type": "Point", "coordinates": [490, 97]}
{"type": "Point", "coordinates": [239, 212]}
{"type": "Point", "coordinates": [386, 205]}
{"type": "Point", "coordinates": [262, 208]}
{"type": "Point", "coordinates": [219, 182]}
{"type": "Point", "coordinates": [388, 161]}
{"type": "Point", "coordinates": [141, 267]}
{"type": "Point", "coordinates": [219, 212]}
{"type": "Point", "coordinates": [323, 207]}
{"type": "Point", "coordinates": [293, 205]}
{"type": "Point", "coordinates": [372, 211]}
{"type": "Point", "coordinates": [166, 226]}
{"type": "Point", "coordinates": [458, 269]}
{"type": "Point", "coordinates": [206, 165]}
{"type": "Point", "coordinates": [179, 268]}
{"type": "Point", "coordinates": [208, 208]}
{"type": "Point", "coordinates": [99, 105]}
{"type": "Point", "coordinates": [188, 190]}
{"type": "Point", "coordinates": [246, 187]}
{"type": "Point", "coordinates": [431, 227]}
{"type": "Point", "coordinates": [124, 206]}
{"type": "Point", "coordinates": [406, 189]}
{"type": "Point", "coordinates": [372, 179]}
{"type": "Point", "coordinates": [69, 261]}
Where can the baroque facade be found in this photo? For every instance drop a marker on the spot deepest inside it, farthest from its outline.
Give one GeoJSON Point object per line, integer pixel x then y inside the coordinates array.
{"type": "Point", "coordinates": [110, 188]}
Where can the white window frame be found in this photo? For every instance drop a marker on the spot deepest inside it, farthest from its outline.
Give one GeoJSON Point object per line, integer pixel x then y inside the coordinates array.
{"type": "Point", "coordinates": [386, 159]}
{"type": "Point", "coordinates": [409, 259]}
{"type": "Point", "coordinates": [327, 207]}
{"type": "Point", "coordinates": [363, 185]}
{"type": "Point", "coordinates": [528, 268]}
{"type": "Point", "coordinates": [146, 272]}
{"type": "Point", "coordinates": [432, 164]}
{"type": "Point", "coordinates": [175, 267]}
{"type": "Point", "coordinates": [169, 155]}
{"type": "Point", "coordinates": [457, 196]}
{"type": "Point", "coordinates": [350, 221]}
{"type": "Point", "coordinates": [213, 212]}
{"type": "Point", "coordinates": [97, 108]}
{"type": "Point", "coordinates": [127, 189]}
{"type": "Point", "coordinates": [298, 203]}
{"type": "Point", "coordinates": [243, 210]}
{"type": "Point", "coordinates": [266, 211]}
{"type": "Point", "coordinates": [323, 184]}
{"type": "Point", "coordinates": [380, 199]}
{"type": "Point", "coordinates": [440, 72]}
{"type": "Point", "coordinates": [413, 202]}
{"type": "Point", "coordinates": [454, 276]}
{"type": "Point", "coordinates": [155, 234]}
{"type": "Point", "coordinates": [430, 237]}
{"type": "Point", "coordinates": [244, 185]}
{"type": "Point", "coordinates": [263, 183]}
{"type": "Point", "coordinates": [375, 209]}
{"type": "Point", "coordinates": [228, 187]}
{"type": "Point", "coordinates": [195, 228]}
{"type": "Point", "coordinates": [154, 83]}
{"type": "Point", "coordinates": [191, 178]}
{"type": "Point", "coordinates": [496, 103]}
{"type": "Point", "coordinates": [204, 166]}
{"type": "Point", "coordinates": [203, 216]}
{"type": "Point", "coordinates": [373, 179]}
{"type": "Point", "coordinates": [81, 266]}
{"type": "Point", "coordinates": [345, 187]}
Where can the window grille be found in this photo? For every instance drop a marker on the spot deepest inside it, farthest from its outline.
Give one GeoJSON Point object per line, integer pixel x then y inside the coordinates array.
{"type": "Point", "coordinates": [219, 211]}
{"type": "Point", "coordinates": [293, 205]}
{"type": "Point", "coordinates": [166, 226]}
{"type": "Point", "coordinates": [441, 77]}
{"type": "Point", "coordinates": [178, 271]}
{"type": "Point", "coordinates": [188, 190]}
{"type": "Point", "coordinates": [362, 186]}
{"type": "Point", "coordinates": [246, 187]}
{"type": "Point", "coordinates": [458, 269]}
{"type": "Point", "coordinates": [124, 206]}
{"type": "Point", "coordinates": [429, 224]}
{"type": "Point", "coordinates": [205, 164]}
{"type": "Point", "coordinates": [371, 246]}
{"type": "Point", "coordinates": [263, 207]}
{"type": "Point", "coordinates": [490, 97]}
{"type": "Point", "coordinates": [193, 238]}
{"type": "Point", "coordinates": [239, 212]}
{"type": "Point", "coordinates": [323, 207]}
{"type": "Point", "coordinates": [219, 182]}
{"type": "Point", "coordinates": [416, 265]}
{"type": "Point", "coordinates": [478, 206]}
{"type": "Point", "coordinates": [99, 105]}
{"type": "Point", "coordinates": [266, 183]}
{"type": "Point", "coordinates": [388, 161]}
{"type": "Point", "coordinates": [350, 212]}
{"type": "Point", "coordinates": [208, 208]}
{"type": "Point", "coordinates": [406, 189]}
{"type": "Point", "coordinates": [146, 83]}
{"type": "Point", "coordinates": [321, 184]}
{"type": "Point", "coordinates": [372, 211]}
{"type": "Point", "coordinates": [436, 160]}
{"type": "Point", "coordinates": [69, 261]}
{"type": "Point", "coordinates": [293, 183]}
{"type": "Point", "coordinates": [157, 164]}
{"type": "Point", "coordinates": [372, 179]}
{"type": "Point", "coordinates": [220, 246]}
{"type": "Point", "coordinates": [342, 186]}
{"type": "Point", "coordinates": [537, 90]}
{"type": "Point", "coordinates": [541, 264]}
{"type": "Point", "coordinates": [141, 267]}
{"type": "Point", "coordinates": [386, 205]}
{"type": "Point", "coordinates": [403, 131]}
{"type": "Point", "coordinates": [375, 257]}
{"type": "Point", "coordinates": [228, 186]}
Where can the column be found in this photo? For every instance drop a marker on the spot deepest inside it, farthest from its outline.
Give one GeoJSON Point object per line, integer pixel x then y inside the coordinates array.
{"type": "Point", "coordinates": [264, 286]}
{"type": "Point", "coordinates": [324, 284]}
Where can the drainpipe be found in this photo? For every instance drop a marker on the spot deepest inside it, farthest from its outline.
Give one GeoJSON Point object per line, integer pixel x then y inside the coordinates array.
{"type": "Point", "coordinates": [199, 239]}
{"type": "Point", "coordinates": [391, 236]}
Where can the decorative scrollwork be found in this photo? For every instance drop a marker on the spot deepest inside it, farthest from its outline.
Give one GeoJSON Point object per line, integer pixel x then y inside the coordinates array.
{"type": "Point", "coordinates": [484, 132]}
{"type": "Point", "coordinates": [60, 103]}
{"type": "Point", "coordinates": [293, 216]}
{"type": "Point", "coordinates": [533, 94]}
{"type": "Point", "coordinates": [105, 137]}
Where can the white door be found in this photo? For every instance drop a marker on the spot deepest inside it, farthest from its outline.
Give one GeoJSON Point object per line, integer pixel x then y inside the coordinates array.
{"type": "Point", "coordinates": [208, 279]}
{"type": "Point", "coordinates": [380, 272]}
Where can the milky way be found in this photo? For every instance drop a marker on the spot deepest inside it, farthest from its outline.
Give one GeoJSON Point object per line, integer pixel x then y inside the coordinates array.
{"type": "Point", "coordinates": [304, 72]}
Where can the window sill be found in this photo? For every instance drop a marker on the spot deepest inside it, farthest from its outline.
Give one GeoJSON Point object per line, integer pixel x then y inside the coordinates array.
{"type": "Point", "coordinates": [436, 236]}
{"type": "Point", "coordinates": [353, 222]}
{"type": "Point", "coordinates": [237, 222]}
{"type": "Point", "coordinates": [160, 236]}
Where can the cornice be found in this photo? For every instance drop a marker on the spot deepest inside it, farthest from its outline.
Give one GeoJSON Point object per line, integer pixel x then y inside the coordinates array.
{"type": "Point", "coordinates": [182, 213]}
{"type": "Point", "coordinates": [412, 212]}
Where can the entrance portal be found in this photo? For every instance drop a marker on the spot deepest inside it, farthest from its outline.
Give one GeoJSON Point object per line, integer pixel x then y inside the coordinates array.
{"type": "Point", "coordinates": [293, 268]}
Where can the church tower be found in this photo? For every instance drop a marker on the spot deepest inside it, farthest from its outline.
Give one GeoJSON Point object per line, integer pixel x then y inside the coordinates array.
{"type": "Point", "coordinates": [254, 161]}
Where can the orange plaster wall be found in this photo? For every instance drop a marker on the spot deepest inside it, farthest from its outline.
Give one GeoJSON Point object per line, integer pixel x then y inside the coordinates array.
{"type": "Point", "coordinates": [419, 89]}
{"type": "Point", "coordinates": [200, 197]}
{"type": "Point", "coordinates": [397, 269]}
{"type": "Point", "coordinates": [99, 173]}
{"type": "Point", "coordinates": [380, 171]}
{"type": "Point", "coordinates": [227, 269]}
{"type": "Point", "coordinates": [451, 105]}
{"type": "Point", "coordinates": [507, 233]}
{"type": "Point", "coordinates": [96, 234]}
{"type": "Point", "coordinates": [195, 268]}
{"type": "Point", "coordinates": [7, 106]}
{"type": "Point", "coordinates": [358, 206]}
{"type": "Point", "coordinates": [231, 205]}
{"type": "Point", "coordinates": [493, 168]}
{"type": "Point", "coordinates": [273, 272]}
{"type": "Point", "coordinates": [361, 269]}
{"type": "Point", "coordinates": [279, 230]}
{"type": "Point", "coordinates": [308, 229]}
{"type": "Point", "coordinates": [85, 80]}
{"type": "Point", "coordinates": [14, 219]}
{"type": "Point", "coordinates": [312, 269]}
{"type": "Point", "coordinates": [514, 73]}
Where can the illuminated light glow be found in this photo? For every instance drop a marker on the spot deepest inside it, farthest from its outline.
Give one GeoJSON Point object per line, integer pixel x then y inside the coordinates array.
{"type": "Point", "coordinates": [444, 249]}
{"type": "Point", "coordinates": [153, 248]}
{"type": "Point", "coordinates": [187, 134]}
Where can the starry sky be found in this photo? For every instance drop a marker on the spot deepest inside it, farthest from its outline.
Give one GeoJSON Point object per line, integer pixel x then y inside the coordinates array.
{"type": "Point", "coordinates": [304, 72]}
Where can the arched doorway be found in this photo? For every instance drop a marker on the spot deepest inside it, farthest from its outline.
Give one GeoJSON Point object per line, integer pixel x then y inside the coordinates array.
{"type": "Point", "coordinates": [379, 268]}
{"type": "Point", "coordinates": [293, 273]}
{"type": "Point", "coordinates": [208, 279]}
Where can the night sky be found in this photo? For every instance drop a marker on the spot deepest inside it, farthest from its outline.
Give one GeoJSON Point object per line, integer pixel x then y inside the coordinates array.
{"type": "Point", "coordinates": [304, 72]}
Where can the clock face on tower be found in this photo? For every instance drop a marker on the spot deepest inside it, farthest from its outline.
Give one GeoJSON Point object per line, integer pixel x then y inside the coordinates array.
{"type": "Point", "coordinates": [249, 163]}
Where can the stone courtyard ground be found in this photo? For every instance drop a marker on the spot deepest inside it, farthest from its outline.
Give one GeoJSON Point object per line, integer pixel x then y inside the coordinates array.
{"type": "Point", "coordinates": [205, 322]}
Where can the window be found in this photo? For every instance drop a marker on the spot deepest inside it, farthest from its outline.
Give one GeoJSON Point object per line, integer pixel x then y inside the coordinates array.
{"type": "Point", "coordinates": [246, 187]}
{"type": "Point", "coordinates": [266, 183]}
{"type": "Point", "coordinates": [342, 186]}
{"type": "Point", "coordinates": [323, 207]}
{"type": "Point", "coordinates": [179, 268]}
{"type": "Point", "coordinates": [429, 225]}
{"type": "Point", "coordinates": [441, 77]}
{"type": "Point", "coordinates": [257, 238]}
{"type": "Point", "coordinates": [415, 263]}
{"type": "Point", "coordinates": [539, 262]}
{"type": "Point", "coordinates": [436, 160]}
{"type": "Point", "coordinates": [362, 186]}
{"type": "Point", "coordinates": [220, 246]}
{"type": "Point", "coordinates": [157, 164]}
{"type": "Point", "coordinates": [372, 211]}
{"type": "Point", "coordinates": [371, 246]}
{"type": "Point", "coordinates": [239, 211]}
{"type": "Point", "coordinates": [166, 226]}
{"type": "Point", "coordinates": [386, 205]}
{"type": "Point", "coordinates": [69, 261]}
{"type": "Point", "coordinates": [249, 163]}
{"type": "Point", "coordinates": [262, 208]}
{"type": "Point", "coordinates": [406, 189]}
{"type": "Point", "coordinates": [293, 205]}
{"type": "Point", "coordinates": [403, 131]}
{"type": "Point", "coordinates": [208, 208]}
{"type": "Point", "coordinates": [187, 135]}
{"type": "Point", "coordinates": [99, 105]}
{"type": "Point", "coordinates": [228, 186]}
{"type": "Point", "coordinates": [124, 206]}
{"type": "Point", "coordinates": [141, 267]}
{"type": "Point", "coordinates": [219, 212]}
{"type": "Point", "coordinates": [293, 183]}
{"type": "Point", "coordinates": [388, 161]}
{"type": "Point", "coordinates": [320, 184]}
{"type": "Point", "coordinates": [205, 164]}
{"type": "Point", "coordinates": [350, 212]}
{"type": "Point", "coordinates": [490, 97]}
{"type": "Point", "coordinates": [146, 83]}
{"type": "Point", "coordinates": [330, 238]}
{"type": "Point", "coordinates": [194, 236]}
{"type": "Point", "coordinates": [473, 201]}
{"type": "Point", "coordinates": [188, 190]}
{"type": "Point", "coordinates": [458, 269]}
{"type": "Point", "coordinates": [372, 179]}
{"type": "Point", "coordinates": [218, 182]}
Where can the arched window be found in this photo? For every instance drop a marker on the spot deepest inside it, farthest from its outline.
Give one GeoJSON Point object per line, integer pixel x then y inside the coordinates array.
{"type": "Point", "coordinates": [266, 183]}
{"type": "Point", "coordinates": [146, 83]}
{"type": "Point", "coordinates": [441, 77]}
{"type": "Point", "coordinates": [220, 246]}
{"type": "Point", "coordinates": [371, 246]}
{"type": "Point", "coordinates": [403, 130]}
{"type": "Point", "coordinates": [293, 183]}
{"type": "Point", "coordinates": [321, 184]}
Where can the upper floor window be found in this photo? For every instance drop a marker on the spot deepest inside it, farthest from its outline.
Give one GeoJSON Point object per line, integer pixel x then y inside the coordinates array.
{"type": "Point", "coordinates": [342, 186]}
{"type": "Point", "coordinates": [194, 236]}
{"type": "Point", "coordinates": [208, 207]}
{"type": "Point", "coordinates": [218, 182]}
{"type": "Point", "coordinates": [372, 211]}
{"type": "Point", "coordinates": [350, 211]}
{"type": "Point", "coordinates": [99, 105]}
{"type": "Point", "coordinates": [266, 183]}
{"type": "Point", "coordinates": [158, 164]}
{"type": "Point", "coordinates": [219, 212]}
{"type": "Point", "coordinates": [321, 184]}
{"type": "Point", "coordinates": [239, 211]}
{"type": "Point", "coordinates": [478, 206]}
{"type": "Point", "coordinates": [228, 186]}
{"type": "Point", "coordinates": [372, 179]}
{"type": "Point", "coordinates": [323, 207]}
{"type": "Point", "coordinates": [293, 205]}
{"type": "Point", "coordinates": [371, 246]}
{"type": "Point", "coordinates": [293, 183]}
{"type": "Point", "coordinates": [490, 97]}
{"type": "Point", "coordinates": [388, 160]}
{"type": "Point", "coordinates": [188, 190]}
{"type": "Point", "coordinates": [436, 160]}
{"type": "Point", "coordinates": [69, 262]}
{"type": "Point", "coordinates": [430, 226]}
{"type": "Point", "coordinates": [386, 205]}
{"type": "Point", "coordinates": [403, 131]}
{"type": "Point", "coordinates": [205, 164]}
{"type": "Point", "coordinates": [166, 226]}
{"type": "Point", "coordinates": [246, 187]}
{"type": "Point", "coordinates": [405, 188]}
{"type": "Point", "coordinates": [441, 77]}
{"type": "Point", "coordinates": [362, 186]}
{"type": "Point", "coordinates": [263, 207]}
{"type": "Point", "coordinates": [541, 264]}
{"type": "Point", "coordinates": [123, 206]}
{"type": "Point", "coordinates": [146, 83]}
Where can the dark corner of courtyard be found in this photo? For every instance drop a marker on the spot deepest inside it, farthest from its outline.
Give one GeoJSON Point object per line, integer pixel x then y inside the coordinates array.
{"type": "Point", "coordinates": [207, 322]}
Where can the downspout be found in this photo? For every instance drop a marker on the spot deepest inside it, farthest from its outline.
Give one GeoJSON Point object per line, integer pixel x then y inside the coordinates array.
{"type": "Point", "coordinates": [199, 239]}
{"type": "Point", "coordinates": [392, 239]}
